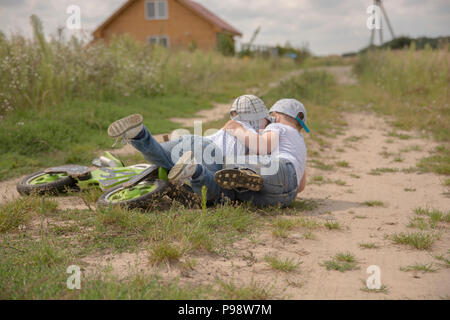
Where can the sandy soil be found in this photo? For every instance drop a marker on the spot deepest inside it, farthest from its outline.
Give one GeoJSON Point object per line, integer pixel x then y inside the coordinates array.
{"type": "Point", "coordinates": [360, 224]}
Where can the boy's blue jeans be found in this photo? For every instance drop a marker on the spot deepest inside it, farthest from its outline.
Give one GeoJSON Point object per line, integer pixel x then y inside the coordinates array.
{"type": "Point", "coordinates": [166, 154]}
{"type": "Point", "coordinates": [279, 188]}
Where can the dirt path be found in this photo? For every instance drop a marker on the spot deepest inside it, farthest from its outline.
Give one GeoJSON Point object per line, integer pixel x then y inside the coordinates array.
{"type": "Point", "coordinates": [365, 146]}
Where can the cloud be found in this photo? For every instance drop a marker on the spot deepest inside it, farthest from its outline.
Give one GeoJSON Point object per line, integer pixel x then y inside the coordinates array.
{"type": "Point", "coordinates": [329, 26]}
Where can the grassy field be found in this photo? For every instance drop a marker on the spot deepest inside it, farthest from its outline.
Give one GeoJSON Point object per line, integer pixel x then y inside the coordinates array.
{"type": "Point", "coordinates": [57, 99]}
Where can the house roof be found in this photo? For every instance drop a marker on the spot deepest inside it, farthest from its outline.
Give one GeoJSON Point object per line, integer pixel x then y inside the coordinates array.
{"type": "Point", "coordinates": [193, 6]}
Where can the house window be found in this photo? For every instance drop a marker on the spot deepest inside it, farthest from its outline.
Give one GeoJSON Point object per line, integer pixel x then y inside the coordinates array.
{"type": "Point", "coordinates": [159, 40]}
{"type": "Point", "coordinates": [156, 10]}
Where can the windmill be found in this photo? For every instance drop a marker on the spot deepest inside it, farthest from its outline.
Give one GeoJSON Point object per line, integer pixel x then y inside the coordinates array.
{"type": "Point", "coordinates": [379, 4]}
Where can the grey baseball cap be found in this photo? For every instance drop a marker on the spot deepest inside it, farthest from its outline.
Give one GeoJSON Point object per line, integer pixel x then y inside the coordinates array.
{"type": "Point", "coordinates": [292, 108]}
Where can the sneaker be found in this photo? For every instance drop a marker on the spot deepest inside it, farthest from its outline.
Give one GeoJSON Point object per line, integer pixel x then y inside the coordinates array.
{"type": "Point", "coordinates": [238, 178]}
{"type": "Point", "coordinates": [184, 169]}
{"type": "Point", "coordinates": [128, 127]}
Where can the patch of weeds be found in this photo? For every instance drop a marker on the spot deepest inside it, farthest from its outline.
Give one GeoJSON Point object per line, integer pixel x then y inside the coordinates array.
{"type": "Point", "coordinates": [354, 138]}
{"type": "Point", "coordinates": [359, 217]}
{"type": "Point", "coordinates": [282, 226]}
{"type": "Point", "coordinates": [322, 166]}
{"type": "Point", "coordinates": [17, 213]}
{"type": "Point", "coordinates": [435, 216]}
{"type": "Point", "coordinates": [385, 154]}
{"type": "Point", "coordinates": [253, 291]}
{"type": "Point", "coordinates": [447, 182]}
{"type": "Point", "coordinates": [418, 240]}
{"type": "Point", "coordinates": [409, 189]}
{"type": "Point", "coordinates": [137, 287]}
{"type": "Point", "coordinates": [379, 171]}
{"type": "Point", "coordinates": [342, 164]}
{"type": "Point", "coordinates": [411, 148]}
{"type": "Point", "coordinates": [398, 159]}
{"type": "Point", "coordinates": [445, 261]}
{"type": "Point", "coordinates": [355, 176]}
{"type": "Point", "coordinates": [383, 289]}
{"type": "Point", "coordinates": [374, 203]}
{"type": "Point", "coordinates": [401, 136]}
{"type": "Point", "coordinates": [418, 222]}
{"type": "Point", "coordinates": [163, 253]}
{"type": "Point", "coordinates": [340, 150]}
{"type": "Point", "coordinates": [342, 262]}
{"type": "Point", "coordinates": [369, 245]}
{"type": "Point", "coordinates": [317, 180]}
{"type": "Point", "coordinates": [389, 141]}
{"type": "Point", "coordinates": [332, 225]}
{"type": "Point", "coordinates": [287, 265]}
{"type": "Point", "coordinates": [340, 182]}
{"type": "Point", "coordinates": [409, 170]}
{"type": "Point", "coordinates": [424, 268]}
{"type": "Point", "coordinates": [438, 163]}
{"type": "Point", "coordinates": [309, 235]}
{"type": "Point", "coordinates": [308, 223]}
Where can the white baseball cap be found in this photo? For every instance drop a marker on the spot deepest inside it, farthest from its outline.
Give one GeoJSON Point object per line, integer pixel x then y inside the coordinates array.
{"type": "Point", "coordinates": [292, 108]}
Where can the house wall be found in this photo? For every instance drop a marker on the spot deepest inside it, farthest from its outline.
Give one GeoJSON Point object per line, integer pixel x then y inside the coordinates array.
{"type": "Point", "coordinates": [182, 26]}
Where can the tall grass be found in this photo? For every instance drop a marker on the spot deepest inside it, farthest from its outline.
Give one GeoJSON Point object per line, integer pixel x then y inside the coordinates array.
{"type": "Point", "coordinates": [38, 73]}
{"type": "Point", "coordinates": [411, 85]}
{"type": "Point", "coordinates": [58, 98]}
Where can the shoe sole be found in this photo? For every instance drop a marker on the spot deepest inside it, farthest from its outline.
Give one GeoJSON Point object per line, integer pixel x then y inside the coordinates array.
{"type": "Point", "coordinates": [178, 168]}
{"type": "Point", "coordinates": [232, 178]}
{"type": "Point", "coordinates": [121, 126]}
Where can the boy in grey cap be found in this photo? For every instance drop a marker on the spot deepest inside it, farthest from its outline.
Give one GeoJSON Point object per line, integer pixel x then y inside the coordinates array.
{"type": "Point", "coordinates": [248, 110]}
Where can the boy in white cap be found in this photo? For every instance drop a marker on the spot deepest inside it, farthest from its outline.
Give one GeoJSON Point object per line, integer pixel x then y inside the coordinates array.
{"type": "Point", "coordinates": [284, 143]}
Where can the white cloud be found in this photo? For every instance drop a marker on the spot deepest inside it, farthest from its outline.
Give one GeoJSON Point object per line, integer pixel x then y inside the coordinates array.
{"type": "Point", "coordinates": [329, 26]}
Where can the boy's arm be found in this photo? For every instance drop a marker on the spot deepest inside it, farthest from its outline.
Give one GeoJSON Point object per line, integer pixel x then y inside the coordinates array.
{"type": "Point", "coordinates": [257, 144]}
{"type": "Point", "coordinates": [302, 185]}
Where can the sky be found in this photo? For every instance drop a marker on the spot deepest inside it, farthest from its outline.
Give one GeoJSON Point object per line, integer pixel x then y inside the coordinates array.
{"type": "Point", "coordinates": [325, 26]}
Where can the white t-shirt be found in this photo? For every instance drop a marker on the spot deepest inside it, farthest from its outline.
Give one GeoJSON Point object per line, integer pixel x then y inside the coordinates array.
{"type": "Point", "coordinates": [290, 147]}
{"type": "Point", "coordinates": [229, 144]}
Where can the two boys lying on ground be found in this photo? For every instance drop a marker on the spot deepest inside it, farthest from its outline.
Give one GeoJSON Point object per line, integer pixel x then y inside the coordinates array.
{"type": "Point", "coordinates": [259, 156]}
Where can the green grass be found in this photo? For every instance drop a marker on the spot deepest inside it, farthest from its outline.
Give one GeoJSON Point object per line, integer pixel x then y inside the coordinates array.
{"type": "Point", "coordinates": [418, 240]}
{"type": "Point", "coordinates": [369, 245]}
{"type": "Point", "coordinates": [383, 289]}
{"type": "Point", "coordinates": [438, 162]}
{"type": "Point", "coordinates": [374, 203]}
{"type": "Point", "coordinates": [164, 253]}
{"type": "Point", "coordinates": [18, 213]}
{"type": "Point", "coordinates": [45, 248]}
{"type": "Point", "coordinates": [286, 265]}
{"type": "Point", "coordinates": [422, 267]}
{"type": "Point", "coordinates": [433, 218]}
{"type": "Point", "coordinates": [342, 262]}
{"type": "Point", "coordinates": [332, 225]}
{"type": "Point", "coordinates": [379, 171]}
{"type": "Point", "coordinates": [342, 164]}
{"type": "Point", "coordinates": [321, 165]}
{"type": "Point", "coordinates": [252, 291]}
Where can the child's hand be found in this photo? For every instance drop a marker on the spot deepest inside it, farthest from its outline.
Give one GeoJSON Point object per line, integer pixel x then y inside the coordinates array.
{"type": "Point", "coordinates": [232, 125]}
